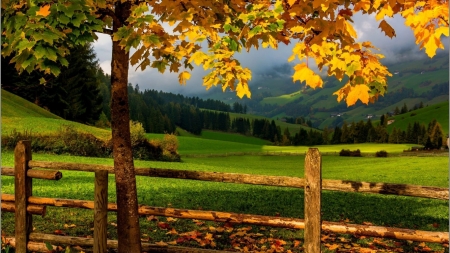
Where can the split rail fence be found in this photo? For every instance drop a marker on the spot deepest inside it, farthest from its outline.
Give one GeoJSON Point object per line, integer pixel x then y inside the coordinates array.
{"type": "Point", "coordinates": [24, 204]}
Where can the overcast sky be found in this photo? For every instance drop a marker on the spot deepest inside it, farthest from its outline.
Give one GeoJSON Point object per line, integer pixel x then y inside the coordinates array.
{"type": "Point", "coordinates": [263, 61]}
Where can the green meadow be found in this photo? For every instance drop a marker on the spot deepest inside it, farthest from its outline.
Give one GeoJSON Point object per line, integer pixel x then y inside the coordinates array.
{"type": "Point", "coordinates": [232, 153]}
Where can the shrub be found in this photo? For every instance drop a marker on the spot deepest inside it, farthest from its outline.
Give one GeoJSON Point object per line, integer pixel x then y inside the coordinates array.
{"type": "Point", "coordinates": [381, 153]}
{"type": "Point", "coordinates": [348, 152]}
{"type": "Point", "coordinates": [170, 148]}
{"type": "Point", "coordinates": [137, 132]}
{"type": "Point", "coordinates": [345, 152]}
{"type": "Point", "coordinates": [69, 141]}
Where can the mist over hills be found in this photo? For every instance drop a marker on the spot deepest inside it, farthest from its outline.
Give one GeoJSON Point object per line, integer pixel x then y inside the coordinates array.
{"type": "Point", "coordinates": [274, 94]}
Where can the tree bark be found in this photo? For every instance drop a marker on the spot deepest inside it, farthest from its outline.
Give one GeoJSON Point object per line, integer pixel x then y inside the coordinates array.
{"type": "Point", "coordinates": [127, 216]}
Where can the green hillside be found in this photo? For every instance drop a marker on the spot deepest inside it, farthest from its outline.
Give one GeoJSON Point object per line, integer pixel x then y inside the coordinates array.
{"type": "Point", "coordinates": [278, 96]}
{"type": "Point", "coordinates": [440, 112]}
{"type": "Point", "coordinates": [15, 106]}
{"type": "Point", "coordinates": [21, 115]}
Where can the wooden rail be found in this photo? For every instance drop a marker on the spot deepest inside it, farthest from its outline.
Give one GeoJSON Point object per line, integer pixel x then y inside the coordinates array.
{"type": "Point", "coordinates": [260, 220]}
{"type": "Point", "coordinates": [282, 181]}
{"type": "Point", "coordinates": [39, 174]}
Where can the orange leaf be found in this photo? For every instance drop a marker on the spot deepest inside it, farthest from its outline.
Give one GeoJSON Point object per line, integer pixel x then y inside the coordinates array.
{"type": "Point", "coordinates": [161, 243]}
{"type": "Point", "coordinates": [333, 247]}
{"type": "Point", "coordinates": [360, 92]}
{"type": "Point", "coordinates": [387, 29]}
{"type": "Point", "coordinates": [43, 11]}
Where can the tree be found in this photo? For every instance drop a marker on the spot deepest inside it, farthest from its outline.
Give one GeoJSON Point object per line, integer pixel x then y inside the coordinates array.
{"type": "Point", "coordinates": [73, 95]}
{"type": "Point", "coordinates": [39, 35]}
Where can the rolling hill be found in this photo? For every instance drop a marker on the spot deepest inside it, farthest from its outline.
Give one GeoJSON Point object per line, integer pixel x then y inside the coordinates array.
{"type": "Point", "coordinates": [412, 82]}
{"type": "Point", "coordinates": [440, 112]}
{"type": "Point", "coordinates": [21, 115]}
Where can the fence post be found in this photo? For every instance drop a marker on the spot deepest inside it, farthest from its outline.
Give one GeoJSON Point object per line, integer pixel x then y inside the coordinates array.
{"type": "Point", "coordinates": [313, 196]}
{"type": "Point", "coordinates": [100, 211]}
{"type": "Point", "coordinates": [22, 190]}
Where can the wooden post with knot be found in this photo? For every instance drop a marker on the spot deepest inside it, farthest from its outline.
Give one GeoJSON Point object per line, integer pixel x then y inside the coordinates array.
{"type": "Point", "coordinates": [313, 196]}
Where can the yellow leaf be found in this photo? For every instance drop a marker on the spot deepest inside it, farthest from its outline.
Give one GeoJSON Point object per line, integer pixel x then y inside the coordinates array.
{"type": "Point", "coordinates": [198, 57]}
{"type": "Point", "coordinates": [242, 89]}
{"type": "Point", "coordinates": [183, 76]}
{"type": "Point", "coordinates": [303, 73]}
{"type": "Point", "coordinates": [361, 92]}
{"type": "Point", "coordinates": [43, 11]}
{"type": "Point", "coordinates": [161, 243]}
{"type": "Point", "coordinates": [441, 31]}
{"type": "Point", "coordinates": [387, 29]}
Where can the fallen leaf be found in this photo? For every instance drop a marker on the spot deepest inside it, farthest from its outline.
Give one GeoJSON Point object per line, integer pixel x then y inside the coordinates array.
{"type": "Point", "coordinates": [170, 219]}
{"type": "Point", "coordinates": [69, 226]}
{"type": "Point", "coordinates": [163, 225]}
{"type": "Point", "coordinates": [152, 218]}
{"type": "Point", "coordinates": [296, 243]}
{"type": "Point", "coordinates": [58, 232]}
{"type": "Point", "coordinates": [161, 243]}
{"type": "Point", "coordinates": [113, 224]}
{"type": "Point", "coordinates": [172, 242]}
{"type": "Point", "coordinates": [333, 246]}
{"type": "Point", "coordinates": [172, 232]}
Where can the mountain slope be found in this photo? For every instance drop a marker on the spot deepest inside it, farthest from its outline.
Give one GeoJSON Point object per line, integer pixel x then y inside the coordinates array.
{"type": "Point", "coordinates": [425, 80]}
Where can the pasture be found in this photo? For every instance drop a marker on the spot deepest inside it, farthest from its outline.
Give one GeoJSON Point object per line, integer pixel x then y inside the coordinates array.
{"type": "Point", "coordinates": [212, 152]}
{"type": "Point", "coordinates": [384, 210]}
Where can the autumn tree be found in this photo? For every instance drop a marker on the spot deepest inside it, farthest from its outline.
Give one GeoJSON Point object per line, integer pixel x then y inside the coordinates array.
{"type": "Point", "coordinates": [39, 34]}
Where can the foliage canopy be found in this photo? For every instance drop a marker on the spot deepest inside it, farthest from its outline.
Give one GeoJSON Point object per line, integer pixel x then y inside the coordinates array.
{"type": "Point", "coordinates": [40, 34]}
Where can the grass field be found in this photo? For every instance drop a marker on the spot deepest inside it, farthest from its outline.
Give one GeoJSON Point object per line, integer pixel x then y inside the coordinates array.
{"type": "Point", "coordinates": [396, 211]}
{"type": "Point", "coordinates": [440, 112]}
{"type": "Point", "coordinates": [407, 212]}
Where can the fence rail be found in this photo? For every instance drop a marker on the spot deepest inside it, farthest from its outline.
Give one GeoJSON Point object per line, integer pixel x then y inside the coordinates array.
{"type": "Point", "coordinates": [282, 181]}
{"type": "Point", "coordinates": [25, 204]}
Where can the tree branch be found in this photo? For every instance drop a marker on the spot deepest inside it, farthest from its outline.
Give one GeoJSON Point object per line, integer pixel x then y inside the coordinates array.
{"type": "Point", "coordinates": [106, 12]}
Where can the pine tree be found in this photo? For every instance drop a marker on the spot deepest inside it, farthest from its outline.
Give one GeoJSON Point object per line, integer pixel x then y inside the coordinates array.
{"type": "Point", "coordinates": [336, 139]}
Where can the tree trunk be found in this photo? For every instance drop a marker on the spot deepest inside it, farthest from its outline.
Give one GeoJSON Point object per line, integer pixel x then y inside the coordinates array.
{"type": "Point", "coordinates": [128, 232]}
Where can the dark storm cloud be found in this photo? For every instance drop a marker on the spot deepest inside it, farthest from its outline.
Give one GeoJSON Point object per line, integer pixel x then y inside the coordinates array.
{"type": "Point", "coordinates": [270, 63]}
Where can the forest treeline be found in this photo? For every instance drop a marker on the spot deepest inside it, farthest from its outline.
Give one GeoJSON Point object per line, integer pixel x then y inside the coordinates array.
{"type": "Point", "coordinates": [82, 93]}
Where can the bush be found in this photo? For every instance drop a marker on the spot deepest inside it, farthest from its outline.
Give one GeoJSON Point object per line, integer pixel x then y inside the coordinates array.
{"type": "Point", "coordinates": [69, 141]}
{"type": "Point", "coordinates": [381, 153]}
{"type": "Point", "coordinates": [170, 148]}
{"type": "Point", "coordinates": [347, 152]}
{"type": "Point", "coordinates": [137, 133]}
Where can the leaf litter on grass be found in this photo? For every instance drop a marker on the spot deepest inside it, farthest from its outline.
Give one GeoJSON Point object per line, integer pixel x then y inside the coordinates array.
{"type": "Point", "coordinates": [244, 238]}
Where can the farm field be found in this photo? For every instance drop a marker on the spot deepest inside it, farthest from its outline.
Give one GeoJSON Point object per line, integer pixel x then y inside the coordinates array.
{"type": "Point", "coordinates": [383, 210]}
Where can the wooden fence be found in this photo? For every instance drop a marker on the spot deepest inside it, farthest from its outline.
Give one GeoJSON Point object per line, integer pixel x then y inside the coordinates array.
{"type": "Point", "coordinates": [24, 204]}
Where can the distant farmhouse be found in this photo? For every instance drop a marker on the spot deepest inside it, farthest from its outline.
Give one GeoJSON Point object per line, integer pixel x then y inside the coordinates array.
{"type": "Point", "coordinates": [332, 115]}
